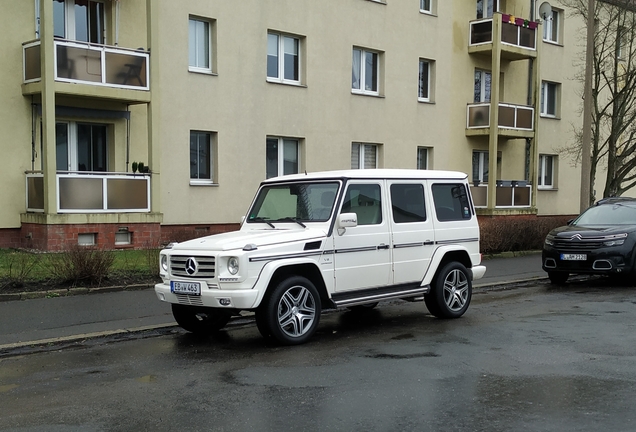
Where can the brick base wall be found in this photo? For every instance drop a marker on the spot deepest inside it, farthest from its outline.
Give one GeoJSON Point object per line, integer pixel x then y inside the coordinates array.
{"type": "Point", "coordinates": [143, 235]}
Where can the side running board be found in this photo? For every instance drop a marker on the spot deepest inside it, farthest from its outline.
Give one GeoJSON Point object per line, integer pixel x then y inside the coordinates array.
{"type": "Point", "coordinates": [406, 291]}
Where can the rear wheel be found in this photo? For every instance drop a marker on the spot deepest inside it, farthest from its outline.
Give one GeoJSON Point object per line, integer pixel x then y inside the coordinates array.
{"type": "Point", "coordinates": [557, 277]}
{"type": "Point", "coordinates": [200, 320]}
{"type": "Point", "coordinates": [451, 292]}
{"type": "Point", "coordinates": [291, 312]}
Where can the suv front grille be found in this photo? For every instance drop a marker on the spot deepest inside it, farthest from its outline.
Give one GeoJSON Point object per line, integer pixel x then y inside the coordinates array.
{"type": "Point", "coordinates": [201, 267]}
{"type": "Point", "coordinates": [578, 245]}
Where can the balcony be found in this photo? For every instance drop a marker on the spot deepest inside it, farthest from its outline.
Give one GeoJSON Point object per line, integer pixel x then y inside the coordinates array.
{"type": "Point", "coordinates": [91, 192]}
{"type": "Point", "coordinates": [518, 37]}
{"type": "Point", "coordinates": [509, 194]}
{"type": "Point", "coordinates": [103, 71]}
{"type": "Point", "coordinates": [515, 121]}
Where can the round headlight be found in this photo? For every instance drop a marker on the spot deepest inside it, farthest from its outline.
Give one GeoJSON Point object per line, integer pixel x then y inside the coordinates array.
{"type": "Point", "coordinates": [233, 265]}
{"type": "Point", "coordinates": [164, 263]}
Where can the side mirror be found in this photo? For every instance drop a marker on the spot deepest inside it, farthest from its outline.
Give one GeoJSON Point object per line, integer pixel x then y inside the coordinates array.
{"type": "Point", "coordinates": [346, 220]}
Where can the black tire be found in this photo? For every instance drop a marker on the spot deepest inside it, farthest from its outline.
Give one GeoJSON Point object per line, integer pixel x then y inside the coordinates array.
{"type": "Point", "coordinates": [291, 312]}
{"type": "Point", "coordinates": [362, 308]}
{"type": "Point", "coordinates": [451, 292]}
{"type": "Point", "coordinates": [261, 322]}
{"type": "Point", "coordinates": [200, 320]}
{"type": "Point", "coordinates": [557, 277]}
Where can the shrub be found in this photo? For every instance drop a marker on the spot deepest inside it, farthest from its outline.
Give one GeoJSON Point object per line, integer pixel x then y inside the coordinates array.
{"type": "Point", "coordinates": [20, 266]}
{"type": "Point", "coordinates": [81, 264]}
{"type": "Point", "coordinates": [516, 233]}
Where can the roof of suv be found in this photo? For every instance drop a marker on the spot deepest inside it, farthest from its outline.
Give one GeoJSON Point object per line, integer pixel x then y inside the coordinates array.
{"type": "Point", "coordinates": [615, 200]}
{"type": "Point", "coordinates": [373, 174]}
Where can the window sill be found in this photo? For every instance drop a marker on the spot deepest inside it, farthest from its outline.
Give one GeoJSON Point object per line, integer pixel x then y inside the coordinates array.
{"type": "Point", "coordinates": [287, 83]}
{"type": "Point", "coordinates": [202, 71]}
{"type": "Point", "coordinates": [378, 1]}
{"type": "Point", "coordinates": [359, 93]}
{"type": "Point", "coordinates": [547, 188]}
{"type": "Point", "coordinates": [423, 12]}
{"type": "Point", "coordinates": [426, 101]}
{"type": "Point", "coordinates": [202, 183]}
{"type": "Point", "coordinates": [549, 117]}
{"type": "Point", "coordinates": [549, 42]}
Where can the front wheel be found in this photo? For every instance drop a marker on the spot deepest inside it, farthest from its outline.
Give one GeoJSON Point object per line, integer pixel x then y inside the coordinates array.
{"type": "Point", "coordinates": [291, 312]}
{"type": "Point", "coordinates": [451, 292]}
{"type": "Point", "coordinates": [200, 320]}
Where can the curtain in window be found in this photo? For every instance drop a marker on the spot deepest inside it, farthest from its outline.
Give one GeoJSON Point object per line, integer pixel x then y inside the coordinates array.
{"type": "Point", "coordinates": [271, 158]}
{"type": "Point", "coordinates": [199, 48]}
{"type": "Point", "coordinates": [200, 156]}
{"type": "Point", "coordinates": [291, 58]}
{"type": "Point", "coordinates": [424, 68]}
{"type": "Point", "coordinates": [369, 156]}
{"type": "Point", "coordinates": [355, 71]}
{"type": "Point", "coordinates": [272, 55]}
{"type": "Point", "coordinates": [290, 157]}
{"type": "Point", "coordinates": [371, 72]}
{"type": "Point", "coordinates": [422, 158]}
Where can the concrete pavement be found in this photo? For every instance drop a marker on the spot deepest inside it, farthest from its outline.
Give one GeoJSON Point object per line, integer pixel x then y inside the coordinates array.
{"type": "Point", "coordinates": [53, 320]}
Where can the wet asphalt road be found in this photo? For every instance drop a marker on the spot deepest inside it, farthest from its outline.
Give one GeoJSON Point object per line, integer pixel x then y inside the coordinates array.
{"type": "Point", "coordinates": [529, 358]}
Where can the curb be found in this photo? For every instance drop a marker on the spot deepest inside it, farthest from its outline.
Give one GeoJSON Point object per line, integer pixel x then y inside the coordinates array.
{"type": "Point", "coordinates": [68, 292]}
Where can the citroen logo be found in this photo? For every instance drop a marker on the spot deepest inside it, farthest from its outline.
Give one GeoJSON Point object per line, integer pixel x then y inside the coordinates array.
{"type": "Point", "coordinates": [191, 266]}
{"type": "Point", "coordinates": [576, 237]}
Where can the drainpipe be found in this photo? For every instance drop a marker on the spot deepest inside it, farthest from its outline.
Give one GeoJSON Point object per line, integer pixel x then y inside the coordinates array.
{"type": "Point", "coordinates": [529, 99]}
{"type": "Point", "coordinates": [127, 137]}
{"type": "Point", "coordinates": [116, 22]}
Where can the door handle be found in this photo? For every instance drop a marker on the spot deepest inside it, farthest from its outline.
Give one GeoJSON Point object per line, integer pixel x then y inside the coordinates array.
{"type": "Point", "coordinates": [383, 246]}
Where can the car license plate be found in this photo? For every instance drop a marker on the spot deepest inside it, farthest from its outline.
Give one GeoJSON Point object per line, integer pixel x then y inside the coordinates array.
{"type": "Point", "coordinates": [189, 288]}
{"type": "Point", "coordinates": [573, 257]}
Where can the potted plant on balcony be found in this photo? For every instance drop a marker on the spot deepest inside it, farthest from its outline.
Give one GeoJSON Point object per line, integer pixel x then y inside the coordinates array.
{"type": "Point", "coordinates": [134, 167]}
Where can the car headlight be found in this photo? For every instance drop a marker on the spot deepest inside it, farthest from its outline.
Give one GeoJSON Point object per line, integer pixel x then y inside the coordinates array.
{"type": "Point", "coordinates": [549, 241]}
{"type": "Point", "coordinates": [233, 265]}
{"type": "Point", "coordinates": [164, 263]}
{"type": "Point", "coordinates": [615, 240]}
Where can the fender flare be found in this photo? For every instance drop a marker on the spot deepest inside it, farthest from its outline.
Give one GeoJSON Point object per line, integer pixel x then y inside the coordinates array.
{"type": "Point", "coordinates": [438, 257]}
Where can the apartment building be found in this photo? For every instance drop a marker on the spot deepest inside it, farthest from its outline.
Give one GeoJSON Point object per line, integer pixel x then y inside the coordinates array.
{"type": "Point", "coordinates": [213, 96]}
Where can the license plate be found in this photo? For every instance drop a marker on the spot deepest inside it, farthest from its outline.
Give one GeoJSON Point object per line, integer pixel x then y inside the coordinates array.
{"type": "Point", "coordinates": [573, 257]}
{"type": "Point", "coordinates": [189, 288]}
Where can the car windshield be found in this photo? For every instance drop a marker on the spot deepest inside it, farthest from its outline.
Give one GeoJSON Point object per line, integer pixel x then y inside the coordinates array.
{"type": "Point", "coordinates": [607, 214]}
{"type": "Point", "coordinates": [294, 202]}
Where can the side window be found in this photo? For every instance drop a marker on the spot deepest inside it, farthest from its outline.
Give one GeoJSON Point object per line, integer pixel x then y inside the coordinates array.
{"type": "Point", "coordinates": [407, 203]}
{"type": "Point", "coordinates": [451, 202]}
{"type": "Point", "coordinates": [365, 201]}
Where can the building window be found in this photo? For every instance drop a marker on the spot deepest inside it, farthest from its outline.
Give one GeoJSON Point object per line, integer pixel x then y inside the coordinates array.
{"type": "Point", "coordinates": [200, 46]}
{"type": "Point", "coordinates": [422, 158]}
{"type": "Point", "coordinates": [424, 87]}
{"type": "Point", "coordinates": [123, 237]}
{"type": "Point", "coordinates": [81, 146]}
{"type": "Point", "coordinates": [78, 20]}
{"type": "Point", "coordinates": [549, 99]}
{"type": "Point", "coordinates": [483, 81]}
{"type": "Point", "coordinates": [622, 43]}
{"type": "Point", "coordinates": [364, 156]}
{"type": "Point", "coordinates": [86, 239]}
{"type": "Point", "coordinates": [426, 6]}
{"type": "Point", "coordinates": [283, 58]}
{"type": "Point", "coordinates": [552, 26]}
{"type": "Point", "coordinates": [546, 171]}
{"type": "Point", "coordinates": [486, 8]}
{"type": "Point", "coordinates": [282, 156]}
{"type": "Point", "coordinates": [365, 72]}
{"type": "Point", "coordinates": [480, 166]}
{"type": "Point", "coordinates": [202, 158]}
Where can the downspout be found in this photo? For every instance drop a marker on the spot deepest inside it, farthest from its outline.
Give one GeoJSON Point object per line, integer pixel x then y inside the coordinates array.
{"type": "Point", "coordinates": [33, 127]}
{"type": "Point", "coordinates": [116, 22]}
{"type": "Point", "coordinates": [529, 99]}
{"type": "Point", "coordinates": [127, 137]}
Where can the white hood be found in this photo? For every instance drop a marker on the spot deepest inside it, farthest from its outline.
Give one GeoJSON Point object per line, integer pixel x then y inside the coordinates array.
{"type": "Point", "coordinates": [238, 239]}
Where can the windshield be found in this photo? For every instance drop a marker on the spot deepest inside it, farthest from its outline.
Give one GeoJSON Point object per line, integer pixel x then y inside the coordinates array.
{"type": "Point", "coordinates": [608, 214]}
{"type": "Point", "coordinates": [302, 202]}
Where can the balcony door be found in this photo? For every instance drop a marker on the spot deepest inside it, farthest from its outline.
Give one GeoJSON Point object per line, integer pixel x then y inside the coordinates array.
{"type": "Point", "coordinates": [483, 81]}
{"type": "Point", "coordinates": [486, 8]}
{"type": "Point", "coordinates": [79, 20]}
{"type": "Point", "coordinates": [81, 146]}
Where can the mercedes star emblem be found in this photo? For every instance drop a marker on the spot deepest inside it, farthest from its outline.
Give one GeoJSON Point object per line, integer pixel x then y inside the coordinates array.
{"type": "Point", "coordinates": [191, 266]}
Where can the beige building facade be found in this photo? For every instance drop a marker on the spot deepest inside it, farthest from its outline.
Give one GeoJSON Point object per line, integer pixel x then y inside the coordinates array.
{"type": "Point", "coordinates": [214, 96]}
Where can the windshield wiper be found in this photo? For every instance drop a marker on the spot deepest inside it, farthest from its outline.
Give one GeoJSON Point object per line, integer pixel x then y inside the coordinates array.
{"type": "Point", "coordinates": [260, 219]}
{"type": "Point", "coordinates": [292, 219]}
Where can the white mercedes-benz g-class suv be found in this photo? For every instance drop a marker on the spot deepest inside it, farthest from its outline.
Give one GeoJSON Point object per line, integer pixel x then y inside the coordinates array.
{"type": "Point", "coordinates": [328, 240]}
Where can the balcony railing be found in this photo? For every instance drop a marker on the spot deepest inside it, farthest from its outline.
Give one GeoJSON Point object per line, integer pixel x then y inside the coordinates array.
{"type": "Point", "coordinates": [83, 192]}
{"type": "Point", "coordinates": [78, 62]}
{"type": "Point", "coordinates": [515, 32]}
{"type": "Point", "coordinates": [511, 116]}
{"type": "Point", "coordinates": [510, 193]}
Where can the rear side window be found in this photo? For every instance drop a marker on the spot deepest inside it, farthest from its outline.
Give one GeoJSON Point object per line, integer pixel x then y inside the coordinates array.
{"type": "Point", "coordinates": [451, 202]}
{"type": "Point", "coordinates": [407, 203]}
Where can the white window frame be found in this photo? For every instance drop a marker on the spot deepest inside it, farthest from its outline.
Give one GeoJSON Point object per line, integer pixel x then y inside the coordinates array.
{"type": "Point", "coordinates": [426, 151]}
{"type": "Point", "coordinates": [543, 162]}
{"type": "Point", "coordinates": [428, 64]}
{"type": "Point", "coordinates": [361, 153]}
{"type": "Point", "coordinates": [72, 145]}
{"type": "Point", "coordinates": [69, 18]}
{"type": "Point", "coordinates": [552, 27]}
{"type": "Point", "coordinates": [485, 8]}
{"type": "Point", "coordinates": [549, 98]}
{"type": "Point", "coordinates": [281, 155]}
{"type": "Point", "coordinates": [280, 54]}
{"type": "Point", "coordinates": [213, 155]}
{"type": "Point", "coordinates": [362, 71]}
{"type": "Point", "coordinates": [482, 165]}
{"type": "Point", "coordinates": [207, 26]}
{"type": "Point", "coordinates": [483, 92]}
{"type": "Point", "coordinates": [426, 6]}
